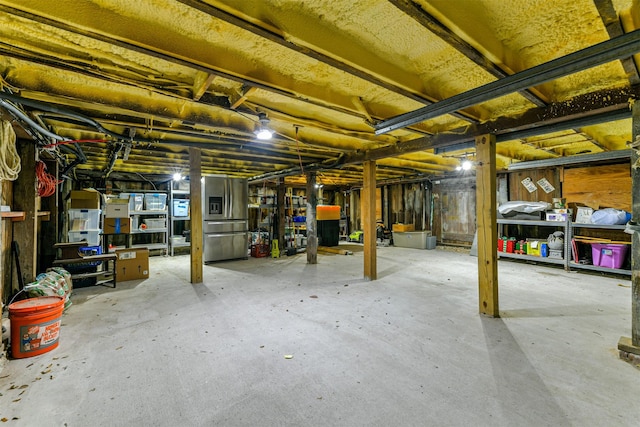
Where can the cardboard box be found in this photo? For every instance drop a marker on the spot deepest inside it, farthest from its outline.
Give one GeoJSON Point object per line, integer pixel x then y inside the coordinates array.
{"type": "Point", "coordinates": [85, 199]}
{"type": "Point", "coordinates": [132, 264]}
{"type": "Point", "coordinates": [552, 216]}
{"type": "Point", "coordinates": [403, 228]}
{"type": "Point", "coordinates": [583, 215]}
{"type": "Point", "coordinates": [117, 208]}
{"type": "Point", "coordinates": [117, 225]}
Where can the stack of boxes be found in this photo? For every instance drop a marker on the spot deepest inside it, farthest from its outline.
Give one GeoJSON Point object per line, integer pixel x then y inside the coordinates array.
{"type": "Point", "coordinates": [116, 217]}
{"type": "Point", "coordinates": [84, 218]}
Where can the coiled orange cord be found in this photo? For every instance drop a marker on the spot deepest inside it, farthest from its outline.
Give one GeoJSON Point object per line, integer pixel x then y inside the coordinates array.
{"type": "Point", "coordinates": [46, 182]}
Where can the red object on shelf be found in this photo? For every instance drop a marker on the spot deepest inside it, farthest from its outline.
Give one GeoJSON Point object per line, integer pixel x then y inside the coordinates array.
{"type": "Point", "coordinates": [511, 246]}
{"type": "Point", "coordinates": [507, 245]}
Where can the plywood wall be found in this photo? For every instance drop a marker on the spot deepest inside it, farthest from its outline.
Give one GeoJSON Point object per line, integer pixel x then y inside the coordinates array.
{"type": "Point", "coordinates": [5, 245]}
{"type": "Point", "coordinates": [607, 186]}
{"type": "Point", "coordinates": [517, 191]}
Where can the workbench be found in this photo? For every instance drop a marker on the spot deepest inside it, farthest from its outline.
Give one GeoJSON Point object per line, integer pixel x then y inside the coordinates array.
{"type": "Point", "coordinates": [105, 263]}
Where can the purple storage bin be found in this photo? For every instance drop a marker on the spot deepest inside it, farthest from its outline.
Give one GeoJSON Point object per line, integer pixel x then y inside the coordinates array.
{"type": "Point", "coordinates": [608, 255]}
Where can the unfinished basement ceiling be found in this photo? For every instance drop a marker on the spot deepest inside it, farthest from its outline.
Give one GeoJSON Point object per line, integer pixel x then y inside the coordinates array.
{"type": "Point", "coordinates": [160, 76]}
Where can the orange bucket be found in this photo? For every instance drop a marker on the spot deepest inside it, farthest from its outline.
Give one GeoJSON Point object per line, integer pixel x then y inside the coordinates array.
{"type": "Point", "coordinates": [35, 325]}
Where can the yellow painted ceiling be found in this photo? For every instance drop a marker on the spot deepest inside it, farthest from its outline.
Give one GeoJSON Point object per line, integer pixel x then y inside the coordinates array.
{"type": "Point", "coordinates": [175, 74]}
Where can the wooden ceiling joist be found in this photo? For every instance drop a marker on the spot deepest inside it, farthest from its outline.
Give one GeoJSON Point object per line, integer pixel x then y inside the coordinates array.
{"type": "Point", "coordinates": [415, 11]}
{"type": "Point", "coordinates": [614, 28]}
{"type": "Point", "coordinates": [601, 53]}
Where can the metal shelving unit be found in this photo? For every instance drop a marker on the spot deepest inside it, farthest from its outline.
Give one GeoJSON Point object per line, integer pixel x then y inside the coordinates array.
{"type": "Point", "coordinates": [573, 264]}
{"type": "Point", "coordinates": [177, 224]}
{"type": "Point", "coordinates": [138, 218]}
{"type": "Point", "coordinates": [568, 229]}
{"type": "Point", "coordinates": [564, 225]}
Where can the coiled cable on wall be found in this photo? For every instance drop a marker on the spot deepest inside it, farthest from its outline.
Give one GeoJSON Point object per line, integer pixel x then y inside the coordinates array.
{"type": "Point", "coordinates": [46, 182]}
{"type": "Point", "coordinates": [9, 158]}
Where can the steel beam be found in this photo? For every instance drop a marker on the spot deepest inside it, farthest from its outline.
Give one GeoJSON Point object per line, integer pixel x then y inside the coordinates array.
{"type": "Point", "coordinates": [572, 160]}
{"type": "Point", "coordinates": [589, 109]}
{"type": "Point", "coordinates": [601, 53]}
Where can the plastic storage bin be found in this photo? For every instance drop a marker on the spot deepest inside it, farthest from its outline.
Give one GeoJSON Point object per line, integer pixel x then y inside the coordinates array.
{"type": "Point", "coordinates": [411, 239]}
{"type": "Point", "coordinates": [325, 212]}
{"type": "Point", "coordinates": [608, 255]}
{"type": "Point", "coordinates": [91, 236]}
{"type": "Point", "coordinates": [89, 251]}
{"type": "Point", "coordinates": [180, 208]}
{"type": "Point", "coordinates": [136, 200]}
{"type": "Point", "coordinates": [155, 202]}
{"type": "Point", "coordinates": [84, 219]}
{"type": "Point", "coordinates": [155, 223]}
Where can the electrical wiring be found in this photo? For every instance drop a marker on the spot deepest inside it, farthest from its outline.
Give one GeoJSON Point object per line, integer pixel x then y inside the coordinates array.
{"type": "Point", "coordinates": [9, 159]}
{"type": "Point", "coordinates": [12, 108]}
{"type": "Point", "coordinates": [46, 182]}
{"type": "Point", "coordinates": [74, 141]}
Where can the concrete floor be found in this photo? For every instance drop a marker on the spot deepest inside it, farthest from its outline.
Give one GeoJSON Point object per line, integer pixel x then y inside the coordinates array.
{"type": "Point", "coordinates": [406, 350]}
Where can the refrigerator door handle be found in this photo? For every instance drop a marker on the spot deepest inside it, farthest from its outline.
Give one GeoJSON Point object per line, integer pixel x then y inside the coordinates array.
{"type": "Point", "coordinates": [225, 212]}
{"type": "Point", "coordinates": [230, 199]}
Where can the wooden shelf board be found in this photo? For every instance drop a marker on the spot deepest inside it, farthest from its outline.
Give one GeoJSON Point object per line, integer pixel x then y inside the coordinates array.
{"type": "Point", "coordinates": [14, 215]}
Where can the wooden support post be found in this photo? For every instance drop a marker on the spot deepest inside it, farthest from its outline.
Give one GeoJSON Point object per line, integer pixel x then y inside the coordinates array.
{"type": "Point", "coordinates": [195, 173]}
{"type": "Point", "coordinates": [281, 211]}
{"type": "Point", "coordinates": [25, 198]}
{"type": "Point", "coordinates": [486, 214]}
{"type": "Point", "coordinates": [312, 231]}
{"type": "Point", "coordinates": [632, 345]}
{"type": "Point", "coordinates": [369, 220]}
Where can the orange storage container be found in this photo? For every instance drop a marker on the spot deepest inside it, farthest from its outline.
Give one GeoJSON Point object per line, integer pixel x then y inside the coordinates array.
{"type": "Point", "coordinates": [35, 325]}
{"type": "Point", "coordinates": [325, 212]}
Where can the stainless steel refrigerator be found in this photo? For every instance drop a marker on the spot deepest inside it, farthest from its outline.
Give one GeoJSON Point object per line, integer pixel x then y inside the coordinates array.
{"type": "Point", "coordinates": [225, 205]}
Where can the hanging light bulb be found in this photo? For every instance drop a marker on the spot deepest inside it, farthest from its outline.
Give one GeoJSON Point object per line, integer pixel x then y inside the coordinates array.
{"type": "Point", "coordinates": [177, 176]}
{"type": "Point", "coordinates": [466, 165]}
{"type": "Point", "coordinates": [263, 132]}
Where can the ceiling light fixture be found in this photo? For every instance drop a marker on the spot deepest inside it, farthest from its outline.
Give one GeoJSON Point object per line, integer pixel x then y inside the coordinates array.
{"type": "Point", "coordinates": [177, 176]}
{"type": "Point", "coordinates": [466, 165]}
{"type": "Point", "coordinates": [263, 132]}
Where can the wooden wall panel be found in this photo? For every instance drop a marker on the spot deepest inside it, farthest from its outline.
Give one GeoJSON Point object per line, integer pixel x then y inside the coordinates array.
{"type": "Point", "coordinates": [6, 229]}
{"type": "Point", "coordinates": [454, 216]}
{"type": "Point", "coordinates": [607, 186]}
{"type": "Point", "coordinates": [517, 190]}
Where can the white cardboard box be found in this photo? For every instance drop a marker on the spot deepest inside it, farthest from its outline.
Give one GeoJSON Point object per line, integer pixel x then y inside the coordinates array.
{"type": "Point", "coordinates": [583, 215]}
{"type": "Point", "coordinates": [552, 216]}
{"type": "Point", "coordinates": [116, 209]}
